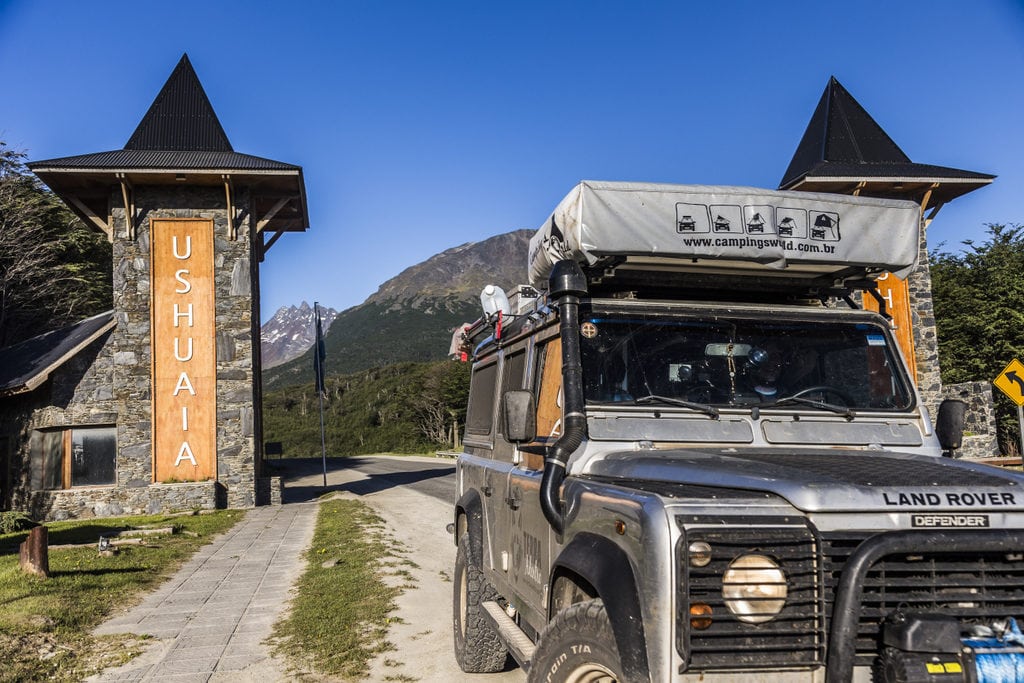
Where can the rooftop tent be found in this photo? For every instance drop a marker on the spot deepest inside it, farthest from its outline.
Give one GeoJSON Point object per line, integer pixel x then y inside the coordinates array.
{"type": "Point", "coordinates": [680, 227]}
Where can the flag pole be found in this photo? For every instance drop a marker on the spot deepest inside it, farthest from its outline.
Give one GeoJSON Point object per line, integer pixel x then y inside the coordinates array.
{"type": "Point", "coordinates": [318, 365]}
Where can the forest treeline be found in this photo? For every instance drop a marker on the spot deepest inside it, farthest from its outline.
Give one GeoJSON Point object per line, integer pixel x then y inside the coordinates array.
{"type": "Point", "coordinates": [54, 270]}
{"type": "Point", "coordinates": [401, 408]}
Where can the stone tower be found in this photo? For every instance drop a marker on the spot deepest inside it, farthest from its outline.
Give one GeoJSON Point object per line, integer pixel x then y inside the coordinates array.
{"type": "Point", "coordinates": [189, 220]}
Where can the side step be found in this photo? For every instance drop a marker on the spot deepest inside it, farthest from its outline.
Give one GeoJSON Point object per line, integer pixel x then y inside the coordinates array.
{"type": "Point", "coordinates": [518, 643]}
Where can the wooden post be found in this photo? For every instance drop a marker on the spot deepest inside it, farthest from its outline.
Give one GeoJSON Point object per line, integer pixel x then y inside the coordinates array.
{"type": "Point", "coordinates": [33, 555]}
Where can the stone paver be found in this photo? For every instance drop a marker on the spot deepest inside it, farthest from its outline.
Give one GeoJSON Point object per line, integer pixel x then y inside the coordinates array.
{"type": "Point", "coordinates": [213, 615]}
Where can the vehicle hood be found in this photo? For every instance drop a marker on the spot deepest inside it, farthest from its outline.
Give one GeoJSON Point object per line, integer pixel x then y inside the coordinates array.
{"type": "Point", "coordinates": [830, 480]}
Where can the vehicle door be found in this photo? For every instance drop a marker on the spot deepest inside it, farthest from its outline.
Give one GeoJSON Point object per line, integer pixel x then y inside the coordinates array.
{"type": "Point", "coordinates": [477, 465]}
{"type": "Point", "coordinates": [528, 530]}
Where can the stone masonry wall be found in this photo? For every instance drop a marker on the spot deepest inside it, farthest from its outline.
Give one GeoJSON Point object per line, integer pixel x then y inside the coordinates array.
{"type": "Point", "coordinates": [236, 452]}
{"type": "Point", "coordinates": [926, 348]}
{"type": "Point", "coordinates": [80, 393]}
{"type": "Point", "coordinates": [980, 423]}
{"type": "Point", "coordinates": [978, 395]}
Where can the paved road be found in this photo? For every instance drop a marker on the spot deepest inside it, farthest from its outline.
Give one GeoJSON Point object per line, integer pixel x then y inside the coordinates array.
{"type": "Point", "coordinates": [365, 475]}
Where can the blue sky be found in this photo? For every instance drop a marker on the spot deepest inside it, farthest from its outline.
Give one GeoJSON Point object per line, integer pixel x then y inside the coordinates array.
{"type": "Point", "coordinates": [424, 125]}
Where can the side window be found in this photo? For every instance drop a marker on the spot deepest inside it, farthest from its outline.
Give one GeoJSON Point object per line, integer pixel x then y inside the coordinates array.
{"type": "Point", "coordinates": [82, 456]}
{"type": "Point", "coordinates": [547, 387]}
{"type": "Point", "coordinates": [512, 376]}
{"type": "Point", "coordinates": [481, 400]}
{"type": "Point", "coordinates": [93, 452]}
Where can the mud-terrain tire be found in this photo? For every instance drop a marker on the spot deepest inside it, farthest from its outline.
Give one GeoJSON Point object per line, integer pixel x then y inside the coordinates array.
{"type": "Point", "coordinates": [477, 646]}
{"type": "Point", "coordinates": [578, 646]}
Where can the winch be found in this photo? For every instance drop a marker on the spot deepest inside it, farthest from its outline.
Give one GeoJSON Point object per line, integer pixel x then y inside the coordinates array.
{"type": "Point", "coordinates": [933, 648]}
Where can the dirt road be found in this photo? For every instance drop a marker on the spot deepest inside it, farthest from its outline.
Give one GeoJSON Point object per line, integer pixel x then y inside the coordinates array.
{"type": "Point", "coordinates": [422, 626]}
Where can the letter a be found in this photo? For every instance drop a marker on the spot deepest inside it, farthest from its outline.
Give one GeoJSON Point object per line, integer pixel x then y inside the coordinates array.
{"type": "Point", "coordinates": [184, 383]}
{"type": "Point", "coordinates": [186, 454]}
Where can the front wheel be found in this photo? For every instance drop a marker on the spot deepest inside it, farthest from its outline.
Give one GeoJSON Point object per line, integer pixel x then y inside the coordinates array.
{"type": "Point", "coordinates": [578, 646]}
{"type": "Point", "coordinates": [477, 647]}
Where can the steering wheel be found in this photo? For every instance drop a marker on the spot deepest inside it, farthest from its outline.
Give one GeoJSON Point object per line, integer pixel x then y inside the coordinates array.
{"type": "Point", "coordinates": [824, 389]}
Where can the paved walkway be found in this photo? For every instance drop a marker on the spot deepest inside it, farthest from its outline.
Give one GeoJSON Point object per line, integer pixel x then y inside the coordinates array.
{"type": "Point", "coordinates": [213, 615]}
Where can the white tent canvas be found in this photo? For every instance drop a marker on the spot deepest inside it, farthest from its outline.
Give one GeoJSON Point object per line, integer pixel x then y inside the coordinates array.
{"type": "Point", "coordinates": [716, 225]}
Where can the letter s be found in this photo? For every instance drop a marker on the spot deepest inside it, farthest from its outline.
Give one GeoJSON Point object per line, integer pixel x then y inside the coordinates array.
{"type": "Point", "coordinates": [186, 286]}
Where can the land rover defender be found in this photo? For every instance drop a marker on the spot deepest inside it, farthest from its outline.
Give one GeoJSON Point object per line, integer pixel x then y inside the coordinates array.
{"type": "Point", "coordinates": [695, 457]}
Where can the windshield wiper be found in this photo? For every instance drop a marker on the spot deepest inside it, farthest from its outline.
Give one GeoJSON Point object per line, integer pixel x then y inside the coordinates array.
{"type": "Point", "coordinates": [699, 407]}
{"type": "Point", "coordinates": [842, 410]}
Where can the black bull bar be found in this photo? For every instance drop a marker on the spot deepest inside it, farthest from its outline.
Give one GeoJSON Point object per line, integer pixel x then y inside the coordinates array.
{"type": "Point", "coordinates": [846, 608]}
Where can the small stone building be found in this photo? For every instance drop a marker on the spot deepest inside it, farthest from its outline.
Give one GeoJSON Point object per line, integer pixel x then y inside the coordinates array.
{"type": "Point", "coordinates": [154, 406]}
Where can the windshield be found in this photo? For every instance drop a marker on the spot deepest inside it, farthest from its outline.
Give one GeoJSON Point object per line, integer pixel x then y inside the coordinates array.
{"type": "Point", "coordinates": [827, 365]}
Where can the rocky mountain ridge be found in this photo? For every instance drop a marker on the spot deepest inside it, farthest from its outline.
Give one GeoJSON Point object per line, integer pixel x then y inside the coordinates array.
{"type": "Point", "coordinates": [290, 333]}
{"type": "Point", "coordinates": [412, 315]}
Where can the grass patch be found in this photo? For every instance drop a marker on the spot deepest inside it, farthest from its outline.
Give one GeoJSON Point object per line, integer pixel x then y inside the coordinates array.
{"type": "Point", "coordinates": [340, 614]}
{"type": "Point", "coordinates": [45, 624]}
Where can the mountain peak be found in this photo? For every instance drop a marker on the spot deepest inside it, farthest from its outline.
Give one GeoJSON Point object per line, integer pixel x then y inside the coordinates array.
{"type": "Point", "coordinates": [290, 332]}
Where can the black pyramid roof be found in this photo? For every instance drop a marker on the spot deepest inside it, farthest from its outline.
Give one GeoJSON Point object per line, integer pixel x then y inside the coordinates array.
{"type": "Point", "coordinates": [179, 139]}
{"type": "Point", "coordinates": [181, 117]}
{"type": "Point", "coordinates": [843, 144]}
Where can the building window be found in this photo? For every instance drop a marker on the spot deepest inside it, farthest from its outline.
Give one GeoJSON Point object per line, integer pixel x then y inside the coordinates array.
{"type": "Point", "coordinates": [80, 456]}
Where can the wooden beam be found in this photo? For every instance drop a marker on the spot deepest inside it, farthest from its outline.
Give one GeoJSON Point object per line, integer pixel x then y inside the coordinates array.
{"type": "Point", "coordinates": [931, 216]}
{"type": "Point", "coordinates": [129, 204]}
{"type": "Point", "coordinates": [268, 245]}
{"type": "Point", "coordinates": [96, 220]}
{"type": "Point", "coordinates": [232, 230]}
{"type": "Point", "coordinates": [262, 223]}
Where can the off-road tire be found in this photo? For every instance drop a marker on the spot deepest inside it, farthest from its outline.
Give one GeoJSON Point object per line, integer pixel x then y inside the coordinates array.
{"type": "Point", "coordinates": [578, 646]}
{"type": "Point", "coordinates": [477, 646]}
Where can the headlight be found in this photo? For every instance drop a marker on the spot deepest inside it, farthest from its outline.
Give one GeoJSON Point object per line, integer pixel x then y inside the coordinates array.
{"type": "Point", "coordinates": [754, 588]}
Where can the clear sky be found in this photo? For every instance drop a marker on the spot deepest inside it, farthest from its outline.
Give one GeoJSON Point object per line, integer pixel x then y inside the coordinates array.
{"type": "Point", "coordinates": [422, 125]}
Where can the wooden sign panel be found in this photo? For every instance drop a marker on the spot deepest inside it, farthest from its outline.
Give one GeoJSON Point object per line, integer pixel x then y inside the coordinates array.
{"type": "Point", "coordinates": [184, 351]}
{"type": "Point", "coordinates": [897, 302]}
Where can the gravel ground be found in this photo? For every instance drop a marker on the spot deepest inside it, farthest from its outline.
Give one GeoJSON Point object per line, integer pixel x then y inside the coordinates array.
{"type": "Point", "coordinates": [422, 630]}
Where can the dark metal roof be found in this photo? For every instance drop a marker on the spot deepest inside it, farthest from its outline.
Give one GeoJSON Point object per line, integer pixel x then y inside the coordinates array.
{"type": "Point", "coordinates": [166, 160]}
{"type": "Point", "coordinates": [181, 117]}
{"type": "Point", "coordinates": [179, 140]}
{"type": "Point", "coordinates": [26, 365]}
{"type": "Point", "coordinates": [843, 144]}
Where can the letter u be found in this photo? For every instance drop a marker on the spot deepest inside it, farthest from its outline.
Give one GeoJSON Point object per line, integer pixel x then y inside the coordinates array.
{"type": "Point", "coordinates": [177, 353]}
{"type": "Point", "coordinates": [188, 247]}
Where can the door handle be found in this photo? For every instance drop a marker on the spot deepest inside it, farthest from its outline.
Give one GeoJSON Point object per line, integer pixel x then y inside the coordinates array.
{"type": "Point", "coordinates": [487, 490]}
{"type": "Point", "coordinates": [513, 503]}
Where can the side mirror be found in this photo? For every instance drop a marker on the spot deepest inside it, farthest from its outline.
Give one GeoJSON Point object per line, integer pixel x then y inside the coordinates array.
{"type": "Point", "coordinates": [949, 425]}
{"type": "Point", "coordinates": [520, 416]}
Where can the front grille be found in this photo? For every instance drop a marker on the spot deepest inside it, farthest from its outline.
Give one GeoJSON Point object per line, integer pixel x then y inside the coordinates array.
{"type": "Point", "coordinates": [973, 588]}
{"type": "Point", "coordinates": [794, 638]}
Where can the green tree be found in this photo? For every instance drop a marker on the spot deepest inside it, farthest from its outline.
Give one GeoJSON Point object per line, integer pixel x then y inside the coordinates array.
{"type": "Point", "coordinates": [979, 312]}
{"type": "Point", "coordinates": [54, 269]}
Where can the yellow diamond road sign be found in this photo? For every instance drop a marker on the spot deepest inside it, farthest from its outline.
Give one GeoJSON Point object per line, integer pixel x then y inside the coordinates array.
{"type": "Point", "coordinates": [1011, 381]}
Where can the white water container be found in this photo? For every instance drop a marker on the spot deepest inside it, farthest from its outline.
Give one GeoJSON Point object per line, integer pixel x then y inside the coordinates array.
{"type": "Point", "coordinates": [493, 299]}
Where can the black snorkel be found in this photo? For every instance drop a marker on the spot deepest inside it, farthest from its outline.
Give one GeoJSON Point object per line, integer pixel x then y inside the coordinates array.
{"type": "Point", "coordinates": [566, 285]}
